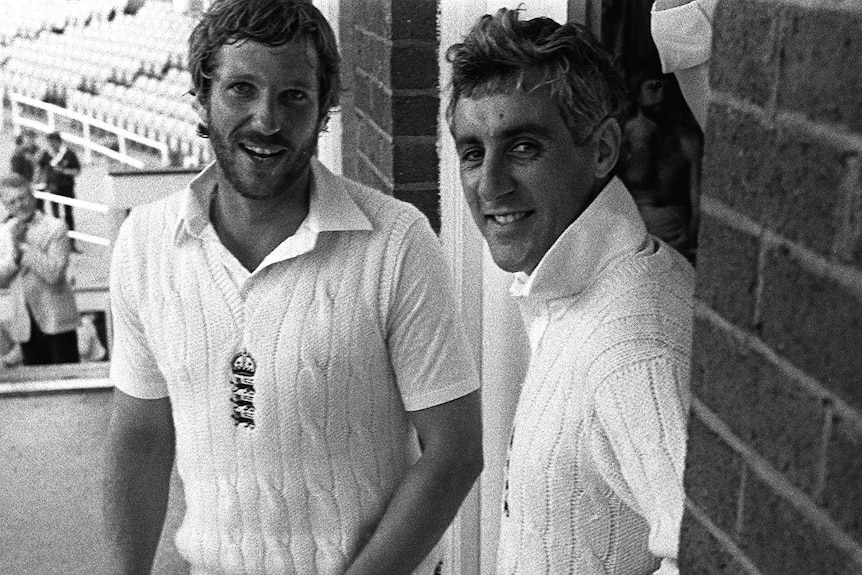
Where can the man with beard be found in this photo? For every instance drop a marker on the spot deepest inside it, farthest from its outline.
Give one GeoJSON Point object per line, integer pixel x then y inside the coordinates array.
{"type": "Point", "coordinates": [291, 331]}
{"type": "Point", "coordinates": [660, 159]}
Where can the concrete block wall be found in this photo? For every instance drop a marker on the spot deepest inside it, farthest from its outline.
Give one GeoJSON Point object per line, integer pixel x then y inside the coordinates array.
{"type": "Point", "coordinates": [774, 472]}
{"type": "Point", "coordinates": [390, 113]}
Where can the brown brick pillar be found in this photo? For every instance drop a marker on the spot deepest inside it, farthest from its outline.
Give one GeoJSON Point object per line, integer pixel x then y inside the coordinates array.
{"type": "Point", "coordinates": [390, 109]}
{"type": "Point", "coordinates": [774, 472]}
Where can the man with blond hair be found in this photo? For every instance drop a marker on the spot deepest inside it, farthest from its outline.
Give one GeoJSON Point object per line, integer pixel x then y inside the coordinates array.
{"type": "Point", "coordinates": [287, 334]}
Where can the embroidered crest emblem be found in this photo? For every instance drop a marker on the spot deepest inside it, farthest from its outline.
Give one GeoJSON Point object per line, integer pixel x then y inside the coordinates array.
{"type": "Point", "coordinates": [242, 372]}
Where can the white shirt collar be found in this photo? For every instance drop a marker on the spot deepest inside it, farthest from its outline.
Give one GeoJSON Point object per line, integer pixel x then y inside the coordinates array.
{"type": "Point", "coordinates": [56, 158]}
{"type": "Point", "coordinates": [330, 206]}
{"type": "Point", "coordinates": [610, 227]}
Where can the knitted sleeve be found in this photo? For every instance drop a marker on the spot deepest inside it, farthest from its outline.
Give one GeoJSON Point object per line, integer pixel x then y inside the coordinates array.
{"type": "Point", "coordinates": [133, 367]}
{"type": "Point", "coordinates": [428, 348]}
{"type": "Point", "coordinates": [641, 415]}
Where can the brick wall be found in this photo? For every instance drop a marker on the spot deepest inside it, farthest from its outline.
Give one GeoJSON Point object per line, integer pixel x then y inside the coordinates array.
{"type": "Point", "coordinates": [390, 109]}
{"type": "Point", "coordinates": [774, 473]}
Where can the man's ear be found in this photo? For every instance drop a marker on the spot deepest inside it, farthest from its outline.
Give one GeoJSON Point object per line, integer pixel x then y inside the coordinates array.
{"type": "Point", "coordinates": [607, 151]}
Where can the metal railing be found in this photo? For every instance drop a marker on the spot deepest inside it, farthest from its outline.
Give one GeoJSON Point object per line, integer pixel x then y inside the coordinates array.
{"type": "Point", "coordinates": [52, 111]}
{"type": "Point", "coordinates": [50, 199]}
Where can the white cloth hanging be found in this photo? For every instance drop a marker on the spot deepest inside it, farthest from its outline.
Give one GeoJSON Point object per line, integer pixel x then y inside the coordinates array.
{"type": "Point", "coordinates": [683, 37]}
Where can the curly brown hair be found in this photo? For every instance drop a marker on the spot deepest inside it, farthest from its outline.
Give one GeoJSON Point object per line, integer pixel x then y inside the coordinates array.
{"type": "Point", "coordinates": [502, 54]}
{"type": "Point", "coordinates": [269, 22]}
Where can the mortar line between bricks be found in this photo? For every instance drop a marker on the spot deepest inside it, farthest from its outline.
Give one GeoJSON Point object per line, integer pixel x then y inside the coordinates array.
{"type": "Point", "coordinates": [779, 29]}
{"type": "Point", "coordinates": [412, 140]}
{"type": "Point", "coordinates": [366, 32]}
{"type": "Point", "coordinates": [376, 170]}
{"type": "Point", "coordinates": [750, 108]}
{"type": "Point", "coordinates": [374, 80]}
{"type": "Point", "coordinates": [836, 6]}
{"type": "Point", "coordinates": [414, 43]}
{"type": "Point", "coordinates": [831, 134]}
{"type": "Point", "coordinates": [806, 382]}
{"type": "Point", "coordinates": [850, 228]}
{"type": "Point", "coordinates": [414, 92]}
{"type": "Point", "coordinates": [847, 276]}
{"type": "Point", "coordinates": [398, 42]}
{"type": "Point", "coordinates": [823, 456]}
{"type": "Point", "coordinates": [740, 500]}
{"type": "Point", "coordinates": [396, 92]}
{"type": "Point", "coordinates": [760, 281]}
{"type": "Point", "coordinates": [730, 217]}
{"type": "Point", "coordinates": [772, 477]}
{"type": "Point", "coordinates": [388, 137]}
{"type": "Point", "coordinates": [417, 187]}
{"type": "Point", "coordinates": [723, 538]}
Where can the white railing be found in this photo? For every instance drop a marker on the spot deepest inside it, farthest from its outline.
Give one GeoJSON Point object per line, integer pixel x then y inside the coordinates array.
{"type": "Point", "coordinates": [50, 125]}
{"type": "Point", "coordinates": [75, 203]}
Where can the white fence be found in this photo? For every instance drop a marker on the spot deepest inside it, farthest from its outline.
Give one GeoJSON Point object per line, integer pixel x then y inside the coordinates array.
{"type": "Point", "coordinates": [75, 203]}
{"type": "Point", "coordinates": [19, 120]}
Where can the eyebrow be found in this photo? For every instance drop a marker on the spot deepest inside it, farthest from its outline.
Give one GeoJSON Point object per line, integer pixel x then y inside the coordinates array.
{"type": "Point", "coordinates": [511, 132]}
{"type": "Point", "coordinates": [241, 76]}
{"type": "Point", "coordinates": [528, 128]}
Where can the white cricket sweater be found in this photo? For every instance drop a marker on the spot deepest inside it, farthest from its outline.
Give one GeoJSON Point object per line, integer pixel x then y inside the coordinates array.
{"type": "Point", "coordinates": [346, 337]}
{"type": "Point", "coordinates": [594, 480]}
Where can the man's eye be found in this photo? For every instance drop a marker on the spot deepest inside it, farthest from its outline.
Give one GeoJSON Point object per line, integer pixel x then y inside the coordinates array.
{"type": "Point", "coordinates": [471, 156]}
{"type": "Point", "coordinates": [241, 88]}
{"type": "Point", "coordinates": [295, 96]}
{"type": "Point", "coordinates": [525, 149]}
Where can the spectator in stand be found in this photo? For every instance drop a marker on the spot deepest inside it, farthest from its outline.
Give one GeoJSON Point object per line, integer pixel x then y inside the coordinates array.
{"type": "Point", "coordinates": [40, 256]}
{"type": "Point", "coordinates": [23, 161]}
{"type": "Point", "coordinates": [59, 166]}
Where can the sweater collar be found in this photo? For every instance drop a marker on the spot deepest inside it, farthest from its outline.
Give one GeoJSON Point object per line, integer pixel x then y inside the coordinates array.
{"type": "Point", "coordinates": [330, 206]}
{"type": "Point", "coordinates": [610, 228]}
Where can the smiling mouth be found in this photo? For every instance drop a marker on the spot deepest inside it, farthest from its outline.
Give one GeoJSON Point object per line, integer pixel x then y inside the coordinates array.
{"type": "Point", "coordinates": [510, 218]}
{"type": "Point", "coordinates": [262, 152]}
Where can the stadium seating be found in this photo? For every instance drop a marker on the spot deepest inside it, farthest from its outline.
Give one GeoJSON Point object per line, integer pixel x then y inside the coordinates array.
{"type": "Point", "coordinates": [128, 70]}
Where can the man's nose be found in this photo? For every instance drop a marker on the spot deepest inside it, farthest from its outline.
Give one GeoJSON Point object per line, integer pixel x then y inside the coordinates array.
{"type": "Point", "coordinates": [268, 116]}
{"type": "Point", "coordinates": [496, 179]}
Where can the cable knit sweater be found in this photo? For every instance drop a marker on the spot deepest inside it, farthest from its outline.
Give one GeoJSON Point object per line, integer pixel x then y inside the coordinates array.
{"type": "Point", "coordinates": [347, 331]}
{"type": "Point", "coordinates": [594, 479]}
